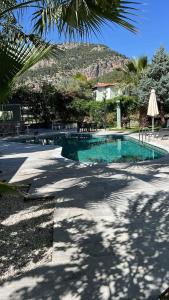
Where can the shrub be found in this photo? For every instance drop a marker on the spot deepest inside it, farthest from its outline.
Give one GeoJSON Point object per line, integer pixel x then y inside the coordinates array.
{"type": "Point", "coordinates": [80, 109]}
{"type": "Point", "coordinates": [111, 119]}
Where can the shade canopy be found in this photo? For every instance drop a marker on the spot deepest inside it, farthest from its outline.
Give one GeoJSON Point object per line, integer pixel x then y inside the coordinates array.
{"type": "Point", "coordinates": [152, 105]}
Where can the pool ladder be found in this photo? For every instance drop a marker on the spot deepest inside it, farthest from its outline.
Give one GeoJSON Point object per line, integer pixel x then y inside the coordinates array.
{"type": "Point", "coordinates": [143, 133]}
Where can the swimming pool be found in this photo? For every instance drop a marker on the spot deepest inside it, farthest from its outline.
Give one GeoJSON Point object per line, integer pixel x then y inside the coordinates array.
{"type": "Point", "coordinates": [104, 149]}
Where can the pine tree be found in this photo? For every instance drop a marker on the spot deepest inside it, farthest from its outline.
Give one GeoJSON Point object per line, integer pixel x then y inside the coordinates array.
{"type": "Point", "coordinates": [157, 77]}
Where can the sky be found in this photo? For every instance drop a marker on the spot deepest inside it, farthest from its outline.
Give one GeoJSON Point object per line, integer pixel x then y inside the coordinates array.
{"type": "Point", "coordinates": [152, 23]}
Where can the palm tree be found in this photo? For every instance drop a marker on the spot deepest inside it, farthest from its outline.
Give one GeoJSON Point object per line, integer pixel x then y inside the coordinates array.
{"type": "Point", "coordinates": [133, 72]}
{"type": "Point", "coordinates": [138, 65]}
{"type": "Point", "coordinates": [74, 17]}
{"type": "Point", "coordinates": [16, 57]}
{"type": "Point", "coordinates": [71, 17]}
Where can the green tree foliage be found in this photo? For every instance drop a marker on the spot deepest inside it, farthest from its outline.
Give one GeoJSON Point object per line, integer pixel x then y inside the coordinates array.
{"type": "Point", "coordinates": [80, 109]}
{"type": "Point", "coordinates": [50, 103]}
{"type": "Point", "coordinates": [111, 119]}
{"type": "Point", "coordinates": [44, 104]}
{"type": "Point", "coordinates": [138, 65]}
{"type": "Point", "coordinates": [16, 57]}
{"type": "Point", "coordinates": [133, 72]}
{"type": "Point", "coordinates": [81, 77]}
{"type": "Point", "coordinates": [113, 76]}
{"type": "Point", "coordinates": [129, 104]}
{"type": "Point", "coordinates": [157, 77]}
{"type": "Point", "coordinates": [97, 111]}
{"type": "Point", "coordinates": [81, 89]}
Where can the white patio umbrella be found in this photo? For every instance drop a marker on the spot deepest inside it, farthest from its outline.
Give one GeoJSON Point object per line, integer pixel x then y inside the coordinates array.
{"type": "Point", "coordinates": [153, 107]}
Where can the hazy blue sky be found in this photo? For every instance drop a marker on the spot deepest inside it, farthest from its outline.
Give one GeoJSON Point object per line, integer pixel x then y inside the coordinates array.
{"type": "Point", "coordinates": [153, 31]}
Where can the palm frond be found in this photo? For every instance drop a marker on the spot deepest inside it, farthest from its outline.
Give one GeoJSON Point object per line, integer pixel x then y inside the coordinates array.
{"type": "Point", "coordinates": [17, 55]}
{"type": "Point", "coordinates": [82, 17]}
{"type": "Point", "coordinates": [137, 65]}
{"type": "Point", "coordinates": [142, 63]}
{"type": "Point", "coordinates": [133, 71]}
{"type": "Point", "coordinates": [78, 17]}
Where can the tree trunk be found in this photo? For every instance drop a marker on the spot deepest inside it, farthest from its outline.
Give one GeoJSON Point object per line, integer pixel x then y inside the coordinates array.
{"type": "Point", "coordinates": [162, 113]}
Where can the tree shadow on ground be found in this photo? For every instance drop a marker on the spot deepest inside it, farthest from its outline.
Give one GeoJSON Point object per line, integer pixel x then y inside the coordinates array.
{"type": "Point", "coordinates": [116, 244]}
{"type": "Point", "coordinates": [126, 259]}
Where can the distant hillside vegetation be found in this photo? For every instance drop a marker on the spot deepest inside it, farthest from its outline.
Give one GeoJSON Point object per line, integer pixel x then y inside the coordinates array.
{"type": "Point", "coordinates": [92, 60]}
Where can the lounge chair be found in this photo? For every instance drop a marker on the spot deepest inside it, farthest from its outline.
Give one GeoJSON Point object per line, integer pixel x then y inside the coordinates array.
{"type": "Point", "coordinates": [162, 133]}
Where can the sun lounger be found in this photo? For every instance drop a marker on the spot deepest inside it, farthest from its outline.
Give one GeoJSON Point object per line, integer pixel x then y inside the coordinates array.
{"type": "Point", "coordinates": [162, 133]}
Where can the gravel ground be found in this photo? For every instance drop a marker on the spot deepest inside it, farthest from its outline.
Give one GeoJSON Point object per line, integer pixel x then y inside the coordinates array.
{"type": "Point", "coordinates": [26, 234]}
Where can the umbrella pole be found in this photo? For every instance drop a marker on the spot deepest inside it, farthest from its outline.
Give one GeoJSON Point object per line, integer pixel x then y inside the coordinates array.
{"type": "Point", "coordinates": [152, 124]}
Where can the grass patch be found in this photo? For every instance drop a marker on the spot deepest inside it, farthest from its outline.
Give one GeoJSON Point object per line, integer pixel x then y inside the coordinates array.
{"type": "Point", "coordinates": [6, 187]}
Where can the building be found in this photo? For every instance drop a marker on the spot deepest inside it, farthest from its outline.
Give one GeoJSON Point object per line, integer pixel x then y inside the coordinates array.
{"type": "Point", "coordinates": [105, 91]}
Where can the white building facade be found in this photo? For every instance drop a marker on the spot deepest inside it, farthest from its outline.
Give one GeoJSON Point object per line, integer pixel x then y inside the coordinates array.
{"type": "Point", "coordinates": [105, 91]}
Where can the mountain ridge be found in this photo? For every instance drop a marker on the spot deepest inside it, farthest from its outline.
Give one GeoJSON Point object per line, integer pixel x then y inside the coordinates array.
{"type": "Point", "coordinates": [92, 60]}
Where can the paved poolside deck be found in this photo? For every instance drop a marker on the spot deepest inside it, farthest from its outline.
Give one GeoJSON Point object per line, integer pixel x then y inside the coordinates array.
{"type": "Point", "coordinates": [111, 237]}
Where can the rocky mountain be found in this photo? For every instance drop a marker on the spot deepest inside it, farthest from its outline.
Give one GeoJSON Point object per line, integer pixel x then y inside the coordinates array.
{"type": "Point", "coordinates": [92, 60]}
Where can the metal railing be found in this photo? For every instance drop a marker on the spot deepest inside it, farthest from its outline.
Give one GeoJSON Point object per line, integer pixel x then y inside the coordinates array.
{"type": "Point", "coordinates": [144, 132]}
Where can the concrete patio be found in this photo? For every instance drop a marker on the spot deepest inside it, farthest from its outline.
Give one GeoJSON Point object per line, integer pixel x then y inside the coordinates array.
{"type": "Point", "coordinates": [110, 238]}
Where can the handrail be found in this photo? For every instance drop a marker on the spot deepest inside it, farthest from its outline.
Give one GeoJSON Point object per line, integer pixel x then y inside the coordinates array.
{"type": "Point", "coordinates": [143, 133]}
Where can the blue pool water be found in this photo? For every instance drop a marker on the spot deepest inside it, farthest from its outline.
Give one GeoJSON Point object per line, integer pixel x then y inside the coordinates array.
{"type": "Point", "coordinates": [107, 149]}
{"type": "Point", "coordinates": [103, 149]}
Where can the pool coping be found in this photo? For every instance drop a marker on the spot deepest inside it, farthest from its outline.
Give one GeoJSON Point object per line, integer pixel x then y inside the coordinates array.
{"type": "Point", "coordinates": [135, 136]}
{"type": "Point", "coordinates": [151, 142]}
